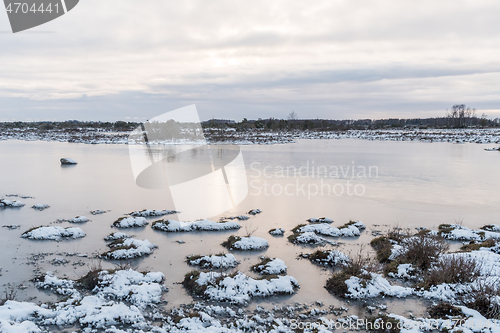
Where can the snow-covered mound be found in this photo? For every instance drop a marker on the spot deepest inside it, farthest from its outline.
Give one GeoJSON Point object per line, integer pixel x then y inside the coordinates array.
{"type": "Point", "coordinates": [308, 238]}
{"type": "Point", "coordinates": [98, 212]}
{"type": "Point", "coordinates": [10, 204]}
{"type": "Point", "coordinates": [116, 235]}
{"type": "Point", "coordinates": [352, 229]}
{"type": "Point", "coordinates": [277, 232]}
{"type": "Point", "coordinates": [40, 206]}
{"type": "Point", "coordinates": [128, 249]}
{"type": "Point", "coordinates": [320, 220]}
{"type": "Point", "coordinates": [254, 212]}
{"type": "Point", "coordinates": [204, 225]}
{"type": "Point", "coordinates": [53, 233]}
{"type": "Point", "coordinates": [237, 288]}
{"type": "Point", "coordinates": [270, 266]}
{"type": "Point", "coordinates": [218, 261]}
{"type": "Point", "coordinates": [68, 161]}
{"type": "Point", "coordinates": [491, 227]}
{"type": "Point", "coordinates": [152, 212]}
{"type": "Point", "coordinates": [360, 288]}
{"type": "Point", "coordinates": [79, 219]}
{"type": "Point", "coordinates": [239, 218]}
{"type": "Point", "coordinates": [404, 271]}
{"type": "Point", "coordinates": [246, 243]}
{"type": "Point", "coordinates": [460, 233]}
{"type": "Point", "coordinates": [333, 258]}
{"type": "Point", "coordinates": [128, 285]}
{"type": "Point", "coordinates": [130, 222]}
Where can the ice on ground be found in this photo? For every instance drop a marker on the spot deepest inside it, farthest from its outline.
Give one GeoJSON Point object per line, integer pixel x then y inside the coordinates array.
{"type": "Point", "coordinates": [117, 235]}
{"type": "Point", "coordinates": [79, 219]}
{"type": "Point", "coordinates": [254, 212]}
{"type": "Point", "coordinates": [204, 225]}
{"type": "Point", "coordinates": [53, 233]}
{"type": "Point", "coordinates": [240, 288]}
{"type": "Point", "coordinates": [377, 286]}
{"type": "Point", "coordinates": [320, 220]}
{"type": "Point", "coordinates": [130, 222]}
{"type": "Point", "coordinates": [249, 243]}
{"type": "Point", "coordinates": [218, 261]}
{"type": "Point", "coordinates": [333, 258]}
{"type": "Point", "coordinates": [152, 212]}
{"type": "Point", "coordinates": [129, 248]}
{"type": "Point", "coordinates": [11, 204]}
{"type": "Point", "coordinates": [277, 232]}
{"type": "Point", "coordinates": [40, 206]}
{"type": "Point", "coordinates": [271, 266]}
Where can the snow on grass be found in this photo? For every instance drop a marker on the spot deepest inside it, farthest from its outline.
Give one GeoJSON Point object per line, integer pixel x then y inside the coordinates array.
{"type": "Point", "coordinates": [404, 271]}
{"type": "Point", "coordinates": [217, 261]}
{"type": "Point", "coordinates": [254, 211]}
{"type": "Point", "coordinates": [40, 206]}
{"type": "Point", "coordinates": [308, 238]}
{"type": "Point", "coordinates": [359, 288]}
{"type": "Point", "coordinates": [461, 233]}
{"type": "Point", "coordinates": [270, 266]}
{"type": "Point", "coordinates": [11, 204]}
{"type": "Point", "coordinates": [247, 243]}
{"type": "Point", "coordinates": [320, 220]}
{"type": "Point", "coordinates": [79, 219]}
{"type": "Point", "coordinates": [277, 232]}
{"type": "Point", "coordinates": [302, 232]}
{"type": "Point", "coordinates": [116, 235]}
{"type": "Point", "coordinates": [134, 287]}
{"type": "Point", "coordinates": [204, 225]}
{"type": "Point", "coordinates": [130, 222]}
{"type": "Point", "coordinates": [237, 288]}
{"type": "Point", "coordinates": [98, 212]}
{"type": "Point", "coordinates": [128, 249]}
{"type": "Point", "coordinates": [491, 227]}
{"type": "Point", "coordinates": [152, 212]}
{"type": "Point", "coordinates": [332, 258]}
{"type": "Point", "coordinates": [53, 233]}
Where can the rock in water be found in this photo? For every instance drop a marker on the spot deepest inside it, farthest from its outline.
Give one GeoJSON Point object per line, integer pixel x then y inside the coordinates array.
{"type": "Point", "coordinates": [68, 161]}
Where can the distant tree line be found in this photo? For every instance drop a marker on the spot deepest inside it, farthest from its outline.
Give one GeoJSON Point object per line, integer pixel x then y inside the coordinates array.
{"type": "Point", "coordinates": [459, 116]}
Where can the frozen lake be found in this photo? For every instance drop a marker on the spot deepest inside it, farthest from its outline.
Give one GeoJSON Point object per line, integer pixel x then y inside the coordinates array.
{"type": "Point", "coordinates": [405, 184]}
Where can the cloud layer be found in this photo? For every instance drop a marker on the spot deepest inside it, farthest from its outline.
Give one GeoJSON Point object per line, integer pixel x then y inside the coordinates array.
{"type": "Point", "coordinates": [109, 60]}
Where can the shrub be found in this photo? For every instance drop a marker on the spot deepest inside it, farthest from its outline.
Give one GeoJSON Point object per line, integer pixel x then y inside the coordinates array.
{"type": "Point", "coordinates": [383, 247]}
{"type": "Point", "coordinates": [473, 246]}
{"type": "Point", "coordinates": [444, 310]}
{"type": "Point", "coordinates": [452, 269]}
{"type": "Point", "coordinates": [422, 250]}
{"type": "Point", "coordinates": [483, 297]}
{"type": "Point", "coordinates": [336, 283]}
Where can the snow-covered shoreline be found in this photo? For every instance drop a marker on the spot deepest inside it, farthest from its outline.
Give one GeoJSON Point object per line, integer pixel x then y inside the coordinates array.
{"type": "Point", "coordinates": [260, 136]}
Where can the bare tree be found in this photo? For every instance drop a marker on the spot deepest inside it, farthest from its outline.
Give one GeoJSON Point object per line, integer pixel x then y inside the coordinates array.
{"type": "Point", "coordinates": [292, 115]}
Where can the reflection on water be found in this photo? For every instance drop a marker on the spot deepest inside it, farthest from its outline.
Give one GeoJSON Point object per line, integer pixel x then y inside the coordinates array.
{"type": "Point", "coordinates": [416, 184]}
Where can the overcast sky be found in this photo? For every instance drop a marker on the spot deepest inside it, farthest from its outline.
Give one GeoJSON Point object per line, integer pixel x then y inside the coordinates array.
{"type": "Point", "coordinates": [131, 59]}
